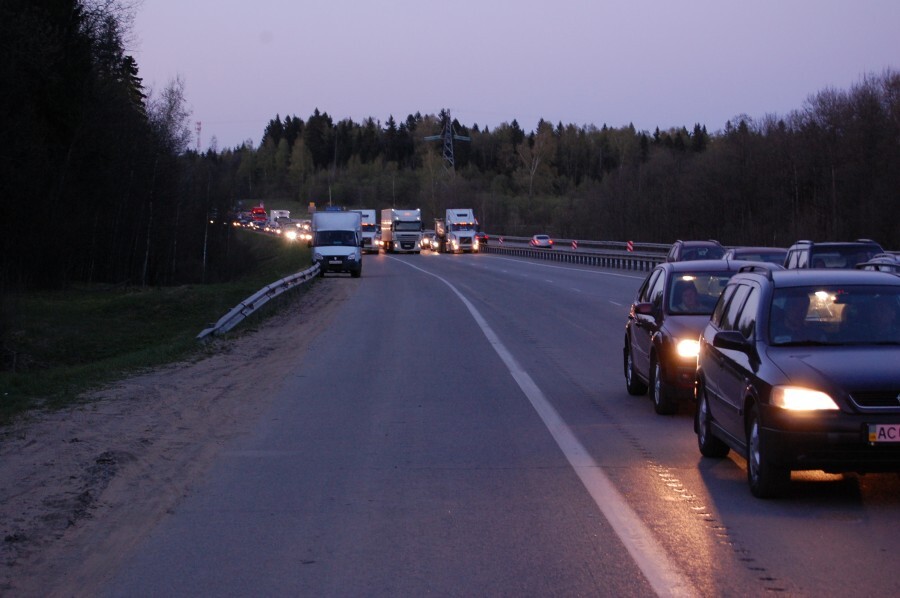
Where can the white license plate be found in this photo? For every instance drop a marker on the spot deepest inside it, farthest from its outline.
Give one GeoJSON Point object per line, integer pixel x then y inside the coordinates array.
{"type": "Point", "coordinates": [879, 433]}
{"type": "Point", "coordinates": [336, 262]}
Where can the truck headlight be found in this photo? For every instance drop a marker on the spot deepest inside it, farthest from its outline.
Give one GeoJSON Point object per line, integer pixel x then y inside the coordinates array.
{"type": "Point", "coordinates": [318, 257]}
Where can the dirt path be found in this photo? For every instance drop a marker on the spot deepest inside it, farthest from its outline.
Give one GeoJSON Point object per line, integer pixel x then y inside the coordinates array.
{"type": "Point", "coordinates": [80, 487]}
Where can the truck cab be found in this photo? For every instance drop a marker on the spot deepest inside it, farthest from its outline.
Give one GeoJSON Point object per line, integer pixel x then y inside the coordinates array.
{"type": "Point", "coordinates": [401, 230]}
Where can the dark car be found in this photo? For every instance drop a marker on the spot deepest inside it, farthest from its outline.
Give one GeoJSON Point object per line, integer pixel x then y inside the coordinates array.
{"type": "Point", "coordinates": [482, 238]}
{"type": "Point", "coordinates": [684, 251]}
{"type": "Point", "coordinates": [664, 322]}
{"type": "Point", "coordinates": [798, 370]}
{"type": "Point", "coordinates": [832, 254]}
{"type": "Point", "coordinates": [770, 255]}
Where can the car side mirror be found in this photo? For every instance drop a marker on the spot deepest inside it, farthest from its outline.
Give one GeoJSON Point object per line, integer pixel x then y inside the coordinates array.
{"type": "Point", "coordinates": [732, 339]}
{"type": "Point", "coordinates": [644, 309]}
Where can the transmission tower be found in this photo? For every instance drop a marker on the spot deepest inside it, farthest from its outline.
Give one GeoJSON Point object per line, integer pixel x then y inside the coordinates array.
{"type": "Point", "coordinates": [447, 136]}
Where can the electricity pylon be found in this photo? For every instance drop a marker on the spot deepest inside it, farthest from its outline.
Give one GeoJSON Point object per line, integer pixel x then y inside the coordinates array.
{"type": "Point", "coordinates": [447, 136]}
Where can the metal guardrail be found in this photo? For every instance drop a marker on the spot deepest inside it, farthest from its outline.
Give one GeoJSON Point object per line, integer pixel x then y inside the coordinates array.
{"type": "Point", "coordinates": [622, 259]}
{"type": "Point", "coordinates": [257, 300]}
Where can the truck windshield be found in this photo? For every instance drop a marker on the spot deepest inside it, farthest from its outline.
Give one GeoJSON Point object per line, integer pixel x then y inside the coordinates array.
{"type": "Point", "coordinates": [463, 226]}
{"type": "Point", "coordinates": [334, 237]}
{"type": "Point", "coordinates": [400, 225]}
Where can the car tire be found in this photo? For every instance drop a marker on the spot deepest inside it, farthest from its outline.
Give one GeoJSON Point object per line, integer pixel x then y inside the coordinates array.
{"type": "Point", "coordinates": [765, 479]}
{"type": "Point", "coordinates": [662, 402]}
{"type": "Point", "coordinates": [356, 273]}
{"type": "Point", "coordinates": [633, 383]}
{"type": "Point", "coordinates": [709, 445]}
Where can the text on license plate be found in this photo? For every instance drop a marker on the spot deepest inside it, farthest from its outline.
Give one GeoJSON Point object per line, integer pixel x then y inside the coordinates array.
{"type": "Point", "coordinates": [884, 432]}
{"type": "Point", "coordinates": [334, 261]}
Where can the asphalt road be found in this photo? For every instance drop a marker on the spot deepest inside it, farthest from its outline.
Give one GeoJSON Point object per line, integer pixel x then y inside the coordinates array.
{"type": "Point", "coordinates": [463, 430]}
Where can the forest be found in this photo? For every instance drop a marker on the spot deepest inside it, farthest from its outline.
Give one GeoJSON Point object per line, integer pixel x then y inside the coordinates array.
{"type": "Point", "coordinates": [104, 186]}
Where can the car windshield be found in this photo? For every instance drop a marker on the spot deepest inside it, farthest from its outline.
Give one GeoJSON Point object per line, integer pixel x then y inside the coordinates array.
{"type": "Point", "coordinates": [825, 315]}
{"type": "Point", "coordinates": [696, 293]}
{"type": "Point", "coordinates": [334, 237]}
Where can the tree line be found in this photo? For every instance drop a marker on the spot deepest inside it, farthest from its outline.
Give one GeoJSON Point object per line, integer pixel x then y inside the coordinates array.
{"type": "Point", "coordinates": [102, 185]}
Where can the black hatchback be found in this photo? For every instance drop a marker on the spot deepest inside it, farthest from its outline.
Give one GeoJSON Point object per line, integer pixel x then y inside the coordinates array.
{"type": "Point", "coordinates": [663, 327]}
{"type": "Point", "coordinates": [800, 370]}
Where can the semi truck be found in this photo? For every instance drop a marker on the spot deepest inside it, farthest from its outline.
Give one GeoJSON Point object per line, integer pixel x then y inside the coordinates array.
{"type": "Point", "coordinates": [369, 228]}
{"type": "Point", "coordinates": [336, 240]}
{"type": "Point", "coordinates": [455, 233]}
{"type": "Point", "coordinates": [401, 230]}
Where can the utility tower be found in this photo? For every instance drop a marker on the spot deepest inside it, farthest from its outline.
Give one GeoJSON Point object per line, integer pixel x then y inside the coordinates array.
{"type": "Point", "coordinates": [447, 136]}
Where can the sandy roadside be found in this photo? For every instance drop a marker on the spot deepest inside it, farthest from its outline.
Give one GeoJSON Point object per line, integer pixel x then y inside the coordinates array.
{"type": "Point", "coordinates": [80, 487]}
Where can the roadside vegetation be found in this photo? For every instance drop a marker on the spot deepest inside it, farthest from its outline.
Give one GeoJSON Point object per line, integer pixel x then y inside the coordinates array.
{"type": "Point", "coordinates": [61, 343]}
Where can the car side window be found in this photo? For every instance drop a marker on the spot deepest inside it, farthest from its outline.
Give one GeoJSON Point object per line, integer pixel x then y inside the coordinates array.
{"type": "Point", "coordinates": [722, 304]}
{"type": "Point", "coordinates": [644, 294]}
{"type": "Point", "coordinates": [746, 323]}
{"type": "Point", "coordinates": [802, 259]}
{"type": "Point", "coordinates": [791, 260]}
{"type": "Point", "coordinates": [656, 290]}
{"type": "Point", "coordinates": [729, 320]}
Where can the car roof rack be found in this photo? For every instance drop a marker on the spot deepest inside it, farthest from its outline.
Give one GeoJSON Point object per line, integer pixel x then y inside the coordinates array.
{"type": "Point", "coordinates": [762, 268]}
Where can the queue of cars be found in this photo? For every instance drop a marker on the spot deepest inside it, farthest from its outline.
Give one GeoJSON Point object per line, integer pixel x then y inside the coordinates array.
{"type": "Point", "coordinates": [794, 366]}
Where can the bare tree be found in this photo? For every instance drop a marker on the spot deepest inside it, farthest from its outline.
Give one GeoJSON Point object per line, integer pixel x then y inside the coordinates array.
{"type": "Point", "coordinates": [169, 117]}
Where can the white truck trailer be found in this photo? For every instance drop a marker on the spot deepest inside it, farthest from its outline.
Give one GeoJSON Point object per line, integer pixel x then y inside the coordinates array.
{"type": "Point", "coordinates": [401, 230]}
{"type": "Point", "coordinates": [336, 240]}
{"type": "Point", "coordinates": [369, 228]}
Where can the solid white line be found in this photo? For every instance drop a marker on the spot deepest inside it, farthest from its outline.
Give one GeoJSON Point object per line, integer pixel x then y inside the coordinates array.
{"type": "Point", "coordinates": [650, 557]}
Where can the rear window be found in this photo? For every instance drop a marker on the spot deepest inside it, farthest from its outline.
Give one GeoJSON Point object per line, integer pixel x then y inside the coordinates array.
{"type": "Point", "coordinates": [841, 257]}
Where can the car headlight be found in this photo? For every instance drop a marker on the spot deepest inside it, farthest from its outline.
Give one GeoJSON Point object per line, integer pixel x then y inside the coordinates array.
{"type": "Point", "coordinates": [688, 348]}
{"type": "Point", "coordinates": [795, 398]}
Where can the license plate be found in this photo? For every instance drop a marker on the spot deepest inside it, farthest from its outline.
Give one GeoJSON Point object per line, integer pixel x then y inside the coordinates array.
{"type": "Point", "coordinates": [879, 433]}
{"type": "Point", "coordinates": [336, 262]}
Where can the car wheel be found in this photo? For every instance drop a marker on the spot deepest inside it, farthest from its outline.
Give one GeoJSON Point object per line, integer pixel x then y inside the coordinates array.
{"type": "Point", "coordinates": [662, 403]}
{"type": "Point", "coordinates": [633, 384]}
{"type": "Point", "coordinates": [766, 480]}
{"type": "Point", "coordinates": [709, 445]}
{"type": "Point", "coordinates": [356, 273]}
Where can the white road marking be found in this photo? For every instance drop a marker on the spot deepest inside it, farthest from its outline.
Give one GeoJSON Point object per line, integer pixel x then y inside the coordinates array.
{"type": "Point", "coordinates": [650, 557]}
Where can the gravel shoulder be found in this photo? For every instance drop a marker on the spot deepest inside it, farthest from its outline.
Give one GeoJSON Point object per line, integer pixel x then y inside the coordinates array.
{"type": "Point", "coordinates": [79, 488]}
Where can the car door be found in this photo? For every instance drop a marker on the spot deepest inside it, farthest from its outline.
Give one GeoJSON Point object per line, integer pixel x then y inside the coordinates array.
{"type": "Point", "coordinates": [724, 368]}
{"type": "Point", "coordinates": [644, 326]}
{"type": "Point", "coordinates": [738, 367]}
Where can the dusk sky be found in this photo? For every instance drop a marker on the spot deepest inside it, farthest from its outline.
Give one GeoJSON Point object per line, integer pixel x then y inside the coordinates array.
{"type": "Point", "coordinates": [653, 63]}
